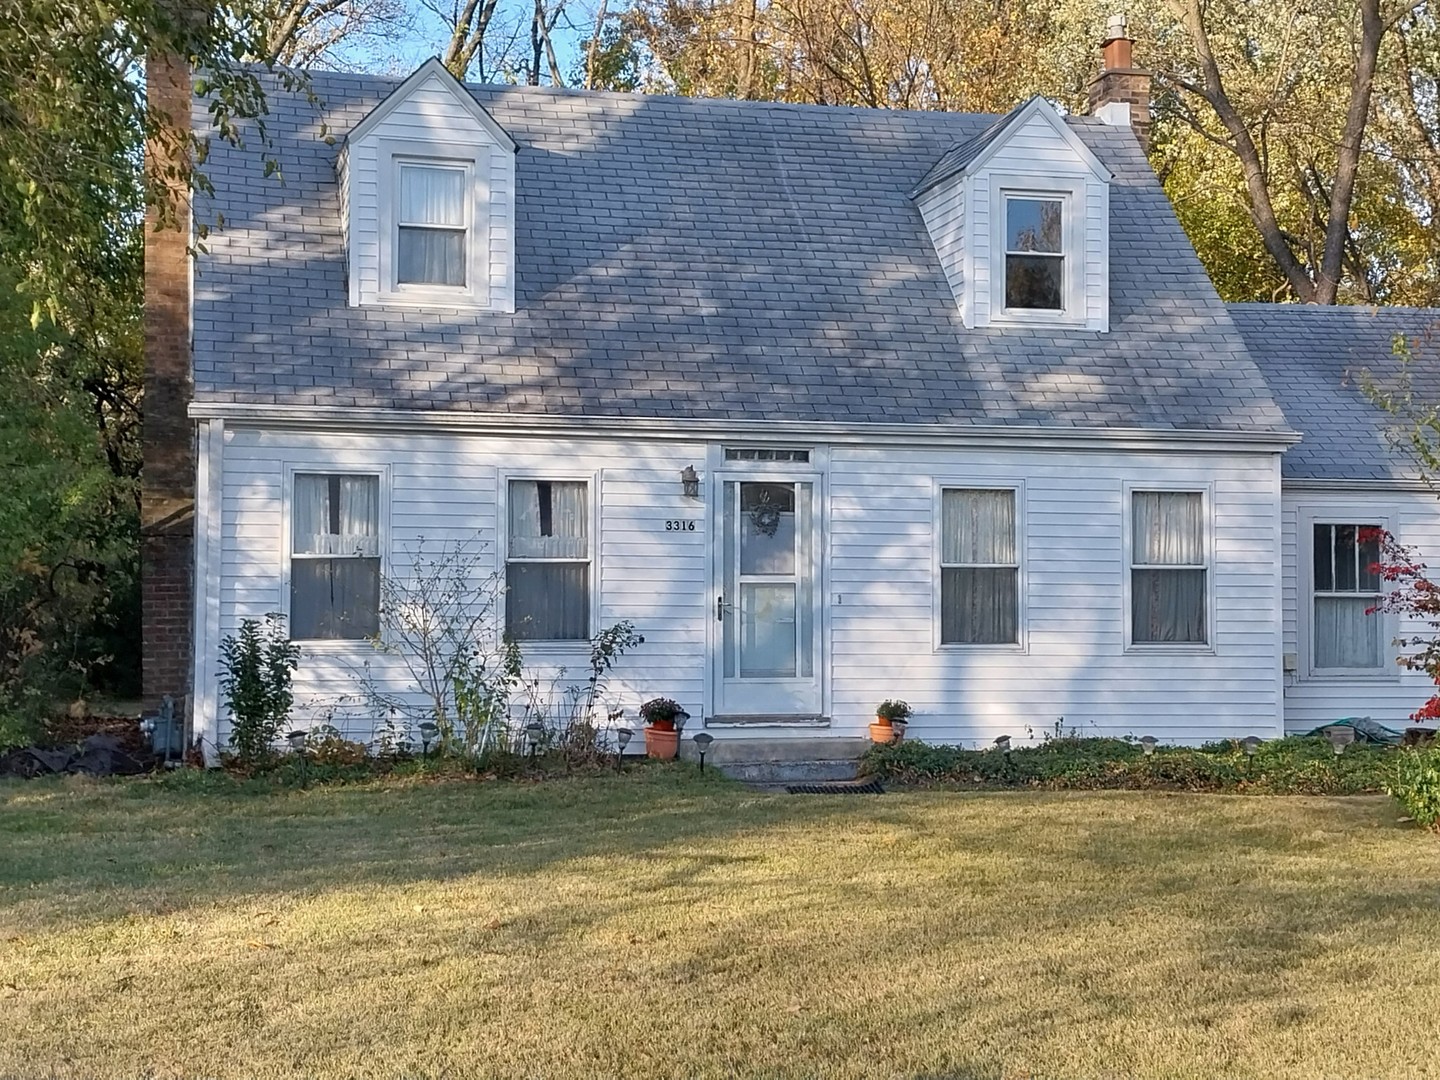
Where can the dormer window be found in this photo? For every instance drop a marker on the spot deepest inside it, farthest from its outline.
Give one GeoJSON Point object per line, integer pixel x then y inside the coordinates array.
{"type": "Point", "coordinates": [431, 227]}
{"type": "Point", "coordinates": [427, 195]}
{"type": "Point", "coordinates": [1034, 253]}
{"type": "Point", "coordinates": [1019, 215]}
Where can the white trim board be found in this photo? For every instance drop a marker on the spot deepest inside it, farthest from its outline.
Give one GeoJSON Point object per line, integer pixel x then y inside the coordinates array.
{"type": "Point", "coordinates": [959, 436]}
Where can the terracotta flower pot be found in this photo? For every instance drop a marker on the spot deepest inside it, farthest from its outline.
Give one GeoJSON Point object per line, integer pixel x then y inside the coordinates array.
{"type": "Point", "coordinates": [883, 732]}
{"type": "Point", "coordinates": [662, 745]}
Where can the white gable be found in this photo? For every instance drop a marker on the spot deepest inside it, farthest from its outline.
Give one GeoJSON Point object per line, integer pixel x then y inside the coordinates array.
{"type": "Point", "coordinates": [1032, 155]}
{"type": "Point", "coordinates": [430, 118]}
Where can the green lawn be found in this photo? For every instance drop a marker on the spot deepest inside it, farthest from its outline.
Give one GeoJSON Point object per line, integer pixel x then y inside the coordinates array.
{"type": "Point", "coordinates": [664, 925]}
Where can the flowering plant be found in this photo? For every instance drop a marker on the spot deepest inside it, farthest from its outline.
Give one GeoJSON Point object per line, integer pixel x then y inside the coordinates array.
{"type": "Point", "coordinates": [1413, 595]}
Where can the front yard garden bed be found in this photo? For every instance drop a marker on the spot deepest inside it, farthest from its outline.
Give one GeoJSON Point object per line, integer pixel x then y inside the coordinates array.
{"type": "Point", "coordinates": [1294, 766]}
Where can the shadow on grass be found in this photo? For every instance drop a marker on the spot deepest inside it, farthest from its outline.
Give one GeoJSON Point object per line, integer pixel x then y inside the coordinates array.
{"type": "Point", "coordinates": [123, 847]}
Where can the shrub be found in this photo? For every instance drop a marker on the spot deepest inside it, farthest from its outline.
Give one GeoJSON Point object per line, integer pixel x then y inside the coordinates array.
{"type": "Point", "coordinates": [892, 711]}
{"type": "Point", "coordinates": [255, 685]}
{"type": "Point", "coordinates": [1416, 785]}
{"type": "Point", "coordinates": [1282, 766]}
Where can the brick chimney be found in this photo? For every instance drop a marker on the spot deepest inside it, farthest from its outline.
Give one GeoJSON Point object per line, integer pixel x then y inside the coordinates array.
{"type": "Point", "coordinates": [1120, 94]}
{"type": "Point", "coordinates": [167, 484]}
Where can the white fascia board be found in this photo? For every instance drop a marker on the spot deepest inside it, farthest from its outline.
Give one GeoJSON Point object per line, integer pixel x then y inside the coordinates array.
{"type": "Point", "coordinates": [432, 67]}
{"type": "Point", "coordinates": [688, 430]}
{"type": "Point", "coordinates": [1355, 486]}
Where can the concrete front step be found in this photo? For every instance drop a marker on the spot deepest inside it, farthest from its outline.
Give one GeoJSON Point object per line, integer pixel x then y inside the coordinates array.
{"type": "Point", "coordinates": [822, 759]}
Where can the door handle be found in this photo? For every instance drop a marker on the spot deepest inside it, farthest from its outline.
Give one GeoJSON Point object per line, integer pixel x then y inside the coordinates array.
{"type": "Point", "coordinates": [719, 609]}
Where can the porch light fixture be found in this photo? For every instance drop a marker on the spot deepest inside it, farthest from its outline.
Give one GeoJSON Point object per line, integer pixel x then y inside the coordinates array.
{"type": "Point", "coordinates": [702, 744]}
{"type": "Point", "coordinates": [1251, 743]}
{"type": "Point", "coordinates": [690, 482]}
{"type": "Point", "coordinates": [534, 731]}
{"type": "Point", "coordinates": [1147, 745]}
{"type": "Point", "coordinates": [1340, 737]}
{"type": "Point", "coordinates": [429, 731]}
{"type": "Point", "coordinates": [622, 736]}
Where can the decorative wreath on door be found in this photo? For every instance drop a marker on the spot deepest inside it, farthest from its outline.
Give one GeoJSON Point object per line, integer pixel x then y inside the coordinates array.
{"type": "Point", "coordinates": [765, 518]}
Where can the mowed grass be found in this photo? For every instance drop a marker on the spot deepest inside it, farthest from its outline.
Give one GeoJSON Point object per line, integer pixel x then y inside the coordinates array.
{"type": "Point", "coordinates": [664, 925]}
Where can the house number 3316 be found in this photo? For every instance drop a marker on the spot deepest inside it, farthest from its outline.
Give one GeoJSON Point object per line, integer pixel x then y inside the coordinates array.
{"type": "Point", "coordinates": [679, 526]}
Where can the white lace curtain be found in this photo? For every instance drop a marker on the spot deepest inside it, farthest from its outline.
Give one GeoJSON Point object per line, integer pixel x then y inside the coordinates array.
{"type": "Point", "coordinates": [549, 520]}
{"type": "Point", "coordinates": [1346, 637]}
{"type": "Point", "coordinates": [977, 527]}
{"type": "Point", "coordinates": [979, 601]}
{"type": "Point", "coordinates": [431, 195]}
{"type": "Point", "coordinates": [337, 515]}
{"type": "Point", "coordinates": [432, 225]}
{"type": "Point", "coordinates": [1168, 529]}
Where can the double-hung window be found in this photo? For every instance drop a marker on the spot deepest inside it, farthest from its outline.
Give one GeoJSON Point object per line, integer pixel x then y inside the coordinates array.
{"type": "Point", "coordinates": [1034, 253]}
{"type": "Point", "coordinates": [979, 567]}
{"type": "Point", "coordinates": [1345, 632]}
{"type": "Point", "coordinates": [431, 224]}
{"type": "Point", "coordinates": [547, 570]}
{"type": "Point", "coordinates": [1169, 568]}
{"type": "Point", "coordinates": [335, 557]}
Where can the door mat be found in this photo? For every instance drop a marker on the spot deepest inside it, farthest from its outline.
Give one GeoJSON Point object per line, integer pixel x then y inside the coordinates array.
{"type": "Point", "coordinates": [871, 788]}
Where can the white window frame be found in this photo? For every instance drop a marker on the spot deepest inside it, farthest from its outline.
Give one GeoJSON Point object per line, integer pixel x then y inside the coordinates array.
{"type": "Point", "coordinates": [592, 483]}
{"type": "Point", "coordinates": [393, 154]}
{"type": "Point", "coordinates": [938, 565]}
{"type": "Point", "coordinates": [1207, 513]}
{"type": "Point", "coordinates": [287, 543]}
{"type": "Point", "coordinates": [1070, 192]}
{"type": "Point", "coordinates": [1064, 256]}
{"type": "Point", "coordinates": [1306, 520]}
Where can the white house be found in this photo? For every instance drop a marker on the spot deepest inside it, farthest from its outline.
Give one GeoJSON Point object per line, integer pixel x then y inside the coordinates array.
{"type": "Point", "coordinates": [834, 405]}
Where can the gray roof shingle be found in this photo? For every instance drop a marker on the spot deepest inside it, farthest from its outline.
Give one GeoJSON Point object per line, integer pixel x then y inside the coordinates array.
{"type": "Point", "coordinates": [1314, 357]}
{"type": "Point", "coordinates": [708, 259]}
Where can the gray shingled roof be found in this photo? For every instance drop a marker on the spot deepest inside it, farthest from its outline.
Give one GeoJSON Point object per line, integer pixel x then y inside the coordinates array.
{"type": "Point", "coordinates": [702, 258]}
{"type": "Point", "coordinates": [1313, 358]}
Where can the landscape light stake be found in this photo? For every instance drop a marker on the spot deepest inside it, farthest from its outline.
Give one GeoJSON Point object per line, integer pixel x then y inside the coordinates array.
{"type": "Point", "coordinates": [622, 736]}
{"type": "Point", "coordinates": [428, 730]}
{"type": "Point", "coordinates": [702, 743]}
{"type": "Point", "coordinates": [533, 731]}
{"type": "Point", "coordinates": [1147, 745]}
{"type": "Point", "coordinates": [296, 739]}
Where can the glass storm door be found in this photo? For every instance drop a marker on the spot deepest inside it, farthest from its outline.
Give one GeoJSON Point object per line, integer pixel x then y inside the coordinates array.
{"type": "Point", "coordinates": [767, 602]}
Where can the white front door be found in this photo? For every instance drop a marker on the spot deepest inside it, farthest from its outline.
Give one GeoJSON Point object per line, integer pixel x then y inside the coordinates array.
{"type": "Point", "coordinates": [767, 606]}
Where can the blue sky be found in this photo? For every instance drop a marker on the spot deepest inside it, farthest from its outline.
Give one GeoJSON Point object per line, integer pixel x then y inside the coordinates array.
{"type": "Point", "coordinates": [425, 36]}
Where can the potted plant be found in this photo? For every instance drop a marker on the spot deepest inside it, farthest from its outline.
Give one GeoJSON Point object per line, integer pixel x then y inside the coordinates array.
{"type": "Point", "coordinates": [891, 717]}
{"type": "Point", "coordinates": [663, 718]}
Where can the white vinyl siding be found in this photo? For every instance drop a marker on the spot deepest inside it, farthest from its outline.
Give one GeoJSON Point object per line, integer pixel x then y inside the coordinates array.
{"type": "Point", "coordinates": [879, 511]}
{"type": "Point", "coordinates": [443, 490]}
{"type": "Point", "coordinates": [1075, 661]}
{"type": "Point", "coordinates": [1389, 693]}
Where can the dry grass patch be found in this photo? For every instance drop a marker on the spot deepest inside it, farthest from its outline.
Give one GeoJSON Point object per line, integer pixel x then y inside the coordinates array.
{"type": "Point", "coordinates": [660, 925]}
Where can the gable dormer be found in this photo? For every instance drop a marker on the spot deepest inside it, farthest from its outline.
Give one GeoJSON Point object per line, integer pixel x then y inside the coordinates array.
{"type": "Point", "coordinates": [1020, 219]}
{"type": "Point", "coordinates": [427, 188]}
